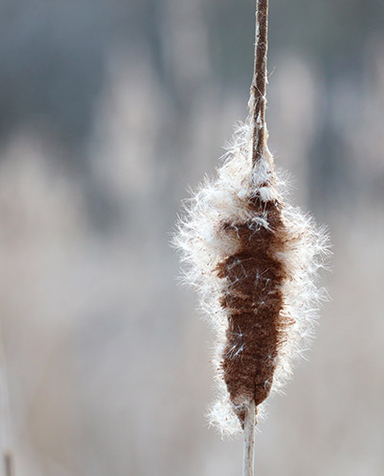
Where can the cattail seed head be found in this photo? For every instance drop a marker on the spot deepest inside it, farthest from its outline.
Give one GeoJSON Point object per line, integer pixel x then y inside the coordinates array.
{"type": "Point", "coordinates": [253, 259]}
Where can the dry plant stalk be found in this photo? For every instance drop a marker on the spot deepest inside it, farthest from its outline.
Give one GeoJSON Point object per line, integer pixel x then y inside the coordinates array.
{"type": "Point", "coordinates": [5, 412]}
{"type": "Point", "coordinates": [253, 258]}
{"type": "Point", "coordinates": [8, 464]}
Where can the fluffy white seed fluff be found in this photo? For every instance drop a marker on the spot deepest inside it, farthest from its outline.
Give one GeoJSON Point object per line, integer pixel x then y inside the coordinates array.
{"type": "Point", "coordinates": [204, 245]}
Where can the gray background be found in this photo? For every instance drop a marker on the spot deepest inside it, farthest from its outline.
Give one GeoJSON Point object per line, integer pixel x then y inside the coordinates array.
{"type": "Point", "coordinates": [109, 111]}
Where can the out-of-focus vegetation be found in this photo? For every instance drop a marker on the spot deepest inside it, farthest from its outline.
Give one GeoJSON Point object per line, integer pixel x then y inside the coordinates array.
{"type": "Point", "coordinates": [109, 111]}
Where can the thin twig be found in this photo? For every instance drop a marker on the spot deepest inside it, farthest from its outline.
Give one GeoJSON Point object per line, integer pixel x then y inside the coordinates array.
{"type": "Point", "coordinates": [249, 440]}
{"type": "Point", "coordinates": [259, 81]}
{"type": "Point", "coordinates": [8, 464]}
{"type": "Point", "coordinates": [5, 411]}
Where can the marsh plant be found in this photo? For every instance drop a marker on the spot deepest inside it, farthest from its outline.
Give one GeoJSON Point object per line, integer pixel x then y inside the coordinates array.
{"type": "Point", "coordinates": [253, 258]}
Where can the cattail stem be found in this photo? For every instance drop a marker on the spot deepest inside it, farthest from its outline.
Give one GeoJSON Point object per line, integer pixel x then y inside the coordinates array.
{"type": "Point", "coordinates": [249, 440]}
{"type": "Point", "coordinates": [259, 81]}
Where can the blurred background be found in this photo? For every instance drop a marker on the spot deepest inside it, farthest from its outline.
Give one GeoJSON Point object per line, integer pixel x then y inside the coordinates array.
{"type": "Point", "coordinates": [109, 112]}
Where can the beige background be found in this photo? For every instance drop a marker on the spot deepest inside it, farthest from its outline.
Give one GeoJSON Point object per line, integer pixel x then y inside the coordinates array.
{"type": "Point", "coordinates": [109, 111]}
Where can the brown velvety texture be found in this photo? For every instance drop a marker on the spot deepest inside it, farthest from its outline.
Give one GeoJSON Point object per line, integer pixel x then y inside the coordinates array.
{"type": "Point", "coordinates": [253, 301]}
